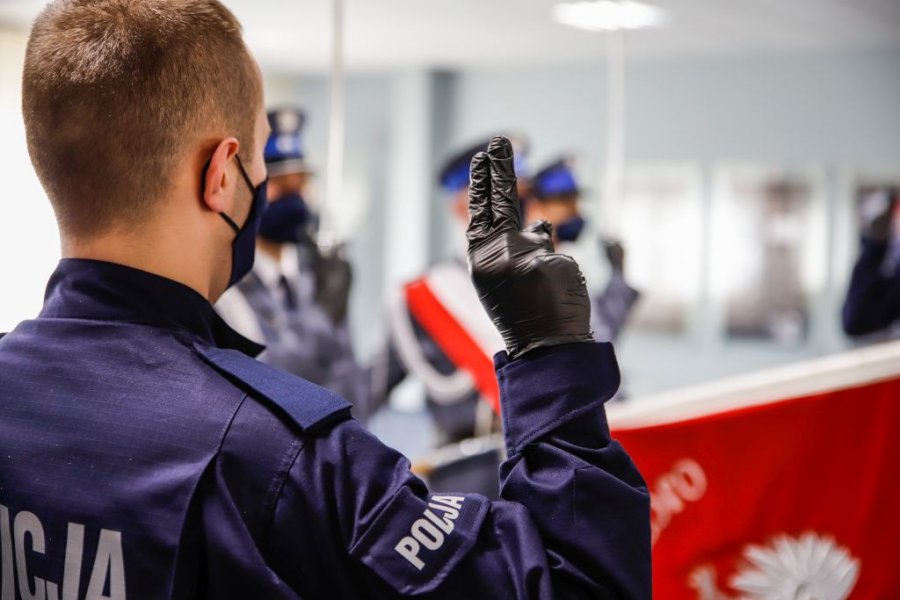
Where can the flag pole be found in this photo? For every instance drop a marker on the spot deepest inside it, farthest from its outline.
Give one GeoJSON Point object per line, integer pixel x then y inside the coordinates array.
{"type": "Point", "coordinates": [334, 177]}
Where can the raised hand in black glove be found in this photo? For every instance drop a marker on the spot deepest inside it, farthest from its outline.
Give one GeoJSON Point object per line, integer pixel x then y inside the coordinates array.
{"type": "Point", "coordinates": [615, 254]}
{"type": "Point", "coordinates": [878, 213]}
{"type": "Point", "coordinates": [534, 296]}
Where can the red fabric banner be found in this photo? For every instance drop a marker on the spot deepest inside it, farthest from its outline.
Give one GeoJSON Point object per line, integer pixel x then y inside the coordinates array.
{"type": "Point", "coordinates": [796, 498]}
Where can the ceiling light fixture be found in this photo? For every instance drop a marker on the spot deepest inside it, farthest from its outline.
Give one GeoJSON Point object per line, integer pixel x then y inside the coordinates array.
{"type": "Point", "coordinates": [608, 15]}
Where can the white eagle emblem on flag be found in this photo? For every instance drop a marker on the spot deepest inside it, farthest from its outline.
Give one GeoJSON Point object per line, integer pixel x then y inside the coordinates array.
{"type": "Point", "coordinates": [811, 567]}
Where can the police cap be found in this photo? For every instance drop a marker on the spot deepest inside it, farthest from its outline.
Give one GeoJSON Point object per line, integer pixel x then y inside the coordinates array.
{"type": "Point", "coordinates": [555, 179]}
{"type": "Point", "coordinates": [284, 149]}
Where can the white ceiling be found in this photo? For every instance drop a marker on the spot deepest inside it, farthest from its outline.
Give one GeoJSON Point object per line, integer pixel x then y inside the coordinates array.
{"type": "Point", "coordinates": [293, 35]}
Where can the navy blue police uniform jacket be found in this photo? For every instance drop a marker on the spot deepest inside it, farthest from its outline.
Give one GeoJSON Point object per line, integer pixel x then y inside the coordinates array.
{"type": "Point", "coordinates": [873, 298]}
{"type": "Point", "coordinates": [144, 454]}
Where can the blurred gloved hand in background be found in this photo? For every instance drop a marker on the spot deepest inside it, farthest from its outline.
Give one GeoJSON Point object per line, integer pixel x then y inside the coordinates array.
{"type": "Point", "coordinates": [877, 213]}
{"type": "Point", "coordinates": [334, 278]}
{"type": "Point", "coordinates": [534, 296]}
{"type": "Point", "coordinates": [615, 254]}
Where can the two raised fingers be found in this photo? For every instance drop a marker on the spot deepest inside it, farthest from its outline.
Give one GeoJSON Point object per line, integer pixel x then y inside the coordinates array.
{"type": "Point", "coordinates": [493, 201]}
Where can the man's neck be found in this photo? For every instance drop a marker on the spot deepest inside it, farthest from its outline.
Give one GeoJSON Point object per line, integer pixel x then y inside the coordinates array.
{"type": "Point", "coordinates": [157, 258]}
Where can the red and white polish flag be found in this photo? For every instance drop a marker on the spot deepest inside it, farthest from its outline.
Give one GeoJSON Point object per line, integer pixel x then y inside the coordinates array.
{"type": "Point", "coordinates": [778, 485]}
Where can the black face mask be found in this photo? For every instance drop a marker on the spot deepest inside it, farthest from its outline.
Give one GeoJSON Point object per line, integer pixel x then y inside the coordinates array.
{"type": "Point", "coordinates": [243, 248]}
{"type": "Point", "coordinates": [283, 218]}
{"type": "Point", "coordinates": [570, 230]}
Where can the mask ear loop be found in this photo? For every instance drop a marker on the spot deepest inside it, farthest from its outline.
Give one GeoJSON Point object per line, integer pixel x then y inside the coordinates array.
{"type": "Point", "coordinates": [229, 220]}
{"type": "Point", "coordinates": [254, 192]}
{"type": "Point", "coordinates": [231, 223]}
{"type": "Point", "coordinates": [244, 173]}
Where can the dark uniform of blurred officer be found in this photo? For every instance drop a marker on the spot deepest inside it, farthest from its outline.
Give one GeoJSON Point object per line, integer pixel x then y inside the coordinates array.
{"type": "Point", "coordinates": [144, 454]}
{"type": "Point", "coordinates": [294, 300]}
{"type": "Point", "coordinates": [555, 196]}
{"type": "Point", "coordinates": [872, 305]}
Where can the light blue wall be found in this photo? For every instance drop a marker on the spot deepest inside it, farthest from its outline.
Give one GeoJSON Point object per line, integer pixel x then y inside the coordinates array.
{"type": "Point", "coordinates": [783, 109]}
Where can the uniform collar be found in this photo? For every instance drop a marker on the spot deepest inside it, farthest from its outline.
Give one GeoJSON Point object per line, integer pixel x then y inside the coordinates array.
{"type": "Point", "coordinates": [105, 291]}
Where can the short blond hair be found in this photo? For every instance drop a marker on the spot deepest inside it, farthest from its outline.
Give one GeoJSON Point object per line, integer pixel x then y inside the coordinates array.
{"type": "Point", "coordinates": [115, 91]}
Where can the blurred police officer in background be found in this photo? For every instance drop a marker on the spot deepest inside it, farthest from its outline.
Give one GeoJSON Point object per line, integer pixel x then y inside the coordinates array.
{"type": "Point", "coordinates": [416, 346]}
{"type": "Point", "coordinates": [145, 454]}
{"type": "Point", "coordinates": [295, 299]}
{"type": "Point", "coordinates": [555, 197]}
{"type": "Point", "coordinates": [872, 306]}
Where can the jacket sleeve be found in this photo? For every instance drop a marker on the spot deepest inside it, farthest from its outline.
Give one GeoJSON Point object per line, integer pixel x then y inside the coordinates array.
{"type": "Point", "coordinates": [873, 298]}
{"type": "Point", "coordinates": [573, 521]}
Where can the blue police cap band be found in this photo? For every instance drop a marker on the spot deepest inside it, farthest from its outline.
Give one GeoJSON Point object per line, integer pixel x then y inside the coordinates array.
{"type": "Point", "coordinates": [456, 179]}
{"type": "Point", "coordinates": [558, 182]}
{"type": "Point", "coordinates": [555, 180]}
{"type": "Point", "coordinates": [285, 145]}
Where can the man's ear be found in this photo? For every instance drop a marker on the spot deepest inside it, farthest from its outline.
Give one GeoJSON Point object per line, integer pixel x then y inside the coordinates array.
{"type": "Point", "coordinates": [218, 184]}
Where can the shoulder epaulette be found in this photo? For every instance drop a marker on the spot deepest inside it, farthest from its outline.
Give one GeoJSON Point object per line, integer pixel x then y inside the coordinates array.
{"type": "Point", "coordinates": [307, 404]}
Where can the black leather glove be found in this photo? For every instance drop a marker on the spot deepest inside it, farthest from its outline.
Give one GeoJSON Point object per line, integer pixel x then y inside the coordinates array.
{"type": "Point", "coordinates": [878, 213]}
{"type": "Point", "coordinates": [615, 254]}
{"type": "Point", "coordinates": [334, 278]}
{"type": "Point", "coordinates": [534, 296]}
